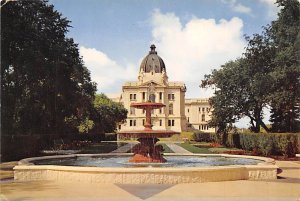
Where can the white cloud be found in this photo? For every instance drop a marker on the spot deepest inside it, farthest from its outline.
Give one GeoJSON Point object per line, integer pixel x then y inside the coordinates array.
{"type": "Point", "coordinates": [193, 49]}
{"type": "Point", "coordinates": [105, 71]}
{"type": "Point", "coordinates": [238, 7]}
{"type": "Point", "coordinates": [241, 8]}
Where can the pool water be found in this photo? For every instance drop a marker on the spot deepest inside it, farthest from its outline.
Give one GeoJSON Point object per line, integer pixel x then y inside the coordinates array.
{"type": "Point", "coordinates": [172, 161]}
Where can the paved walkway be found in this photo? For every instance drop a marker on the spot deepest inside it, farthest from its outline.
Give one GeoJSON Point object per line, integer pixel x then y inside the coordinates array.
{"type": "Point", "coordinates": [285, 188]}
{"type": "Point", "coordinates": [177, 149]}
{"type": "Point", "coordinates": [174, 147]}
{"type": "Point", "coordinates": [125, 148]}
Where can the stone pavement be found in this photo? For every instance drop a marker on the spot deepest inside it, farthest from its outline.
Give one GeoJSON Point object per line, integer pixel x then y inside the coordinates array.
{"type": "Point", "coordinates": [285, 188]}
{"type": "Point", "coordinates": [177, 149]}
{"type": "Point", "coordinates": [125, 148]}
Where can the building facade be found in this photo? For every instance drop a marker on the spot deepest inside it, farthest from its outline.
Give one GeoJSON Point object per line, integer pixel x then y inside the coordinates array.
{"type": "Point", "coordinates": [198, 113]}
{"type": "Point", "coordinates": [178, 115]}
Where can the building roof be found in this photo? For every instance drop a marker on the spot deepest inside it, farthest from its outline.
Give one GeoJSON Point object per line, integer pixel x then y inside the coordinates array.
{"type": "Point", "coordinates": [152, 62]}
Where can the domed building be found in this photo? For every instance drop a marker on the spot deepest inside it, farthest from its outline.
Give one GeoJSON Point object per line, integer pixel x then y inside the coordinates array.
{"type": "Point", "coordinates": [177, 115]}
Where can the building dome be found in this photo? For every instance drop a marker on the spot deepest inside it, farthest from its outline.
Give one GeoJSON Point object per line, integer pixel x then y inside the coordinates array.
{"type": "Point", "coordinates": [152, 62]}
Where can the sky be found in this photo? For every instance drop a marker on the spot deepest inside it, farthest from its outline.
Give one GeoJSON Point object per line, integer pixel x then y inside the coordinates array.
{"type": "Point", "coordinates": [193, 37]}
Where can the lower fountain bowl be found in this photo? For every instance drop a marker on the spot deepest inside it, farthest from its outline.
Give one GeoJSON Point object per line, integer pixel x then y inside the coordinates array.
{"type": "Point", "coordinates": [174, 171]}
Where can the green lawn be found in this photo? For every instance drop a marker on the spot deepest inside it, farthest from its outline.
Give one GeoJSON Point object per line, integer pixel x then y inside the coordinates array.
{"type": "Point", "coordinates": [194, 149]}
{"type": "Point", "coordinates": [103, 147]}
{"type": "Point", "coordinates": [204, 148]}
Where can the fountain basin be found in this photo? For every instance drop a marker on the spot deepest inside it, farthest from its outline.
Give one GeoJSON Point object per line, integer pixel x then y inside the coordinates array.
{"type": "Point", "coordinates": [27, 171]}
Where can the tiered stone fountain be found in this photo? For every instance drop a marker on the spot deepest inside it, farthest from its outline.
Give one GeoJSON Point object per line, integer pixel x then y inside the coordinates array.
{"type": "Point", "coordinates": [147, 151]}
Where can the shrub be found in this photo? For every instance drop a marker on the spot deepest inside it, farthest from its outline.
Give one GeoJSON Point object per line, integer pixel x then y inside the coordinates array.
{"type": "Point", "coordinates": [205, 137]}
{"type": "Point", "coordinates": [233, 140]}
{"type": "Point", "coordinates": [287, 144]}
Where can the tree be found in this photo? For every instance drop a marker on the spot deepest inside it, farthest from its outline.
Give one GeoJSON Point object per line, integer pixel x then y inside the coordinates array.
{"type": "Point", "coordinates": [268, 74]}
{"type": "Point", "coordinates": [107, 114]}
{"type": "Point", "coordinates": [43, 80]}
{"type": "Point", "coordinates": [285, 98]}
{"type": "Point", "coordinates": [242, 86]}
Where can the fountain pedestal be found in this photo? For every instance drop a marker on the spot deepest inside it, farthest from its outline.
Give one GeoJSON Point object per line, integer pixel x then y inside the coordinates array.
{"type": "Point", "coordinates": [147, 151]}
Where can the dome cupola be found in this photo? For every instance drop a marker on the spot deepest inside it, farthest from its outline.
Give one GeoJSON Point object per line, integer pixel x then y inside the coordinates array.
{"type": "Point", "coordinates": [152, 63]}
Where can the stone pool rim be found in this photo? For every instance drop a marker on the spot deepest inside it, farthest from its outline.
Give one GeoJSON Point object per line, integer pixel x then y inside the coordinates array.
{"type": "Point", "coordinates": [28, 171]}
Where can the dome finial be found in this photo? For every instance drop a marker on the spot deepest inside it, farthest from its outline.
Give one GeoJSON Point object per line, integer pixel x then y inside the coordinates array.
{"type": "Point", "coordinates": [152, 47]}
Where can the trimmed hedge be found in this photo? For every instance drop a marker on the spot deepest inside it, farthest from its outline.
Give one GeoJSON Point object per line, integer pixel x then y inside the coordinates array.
{"type": "Point", "coordinates": [266, 144]}
{"type": "Point", "coordinates": [205, 137]}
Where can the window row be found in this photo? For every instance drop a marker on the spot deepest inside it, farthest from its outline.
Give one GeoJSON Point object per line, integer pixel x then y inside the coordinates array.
{"type": "Point", "coordinates": [203, 127]}
{"type": "Point", "coordinates": [132, 97]}
{"type": "Point", "coordinates": [132, 122]}
{"type": "Point", "coordinates": [203, 109]}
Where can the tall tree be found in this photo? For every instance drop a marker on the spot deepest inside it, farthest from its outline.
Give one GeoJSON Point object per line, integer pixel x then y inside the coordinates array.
{"type": "Point", "coordinates": [43, 80]}
{"type": "Point", "coordinates": [285, 98]}
{"type": "Point", "coordinates": [242, 86]}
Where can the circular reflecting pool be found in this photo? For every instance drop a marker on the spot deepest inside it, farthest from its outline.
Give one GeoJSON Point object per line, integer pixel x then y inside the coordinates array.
{"type": "Point", "coordinates": [172, 161]}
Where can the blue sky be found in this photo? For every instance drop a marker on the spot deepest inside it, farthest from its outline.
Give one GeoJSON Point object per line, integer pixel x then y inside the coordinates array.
{"type": "Point", "coordinates": [192, 36]}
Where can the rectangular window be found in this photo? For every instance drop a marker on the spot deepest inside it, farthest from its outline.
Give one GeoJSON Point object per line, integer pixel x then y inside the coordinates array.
{"type": "Point", "coordinates": [160, 110]}
{"type": "Point", "coordinates": [160, 122]}
{"type": "Point", "coordinates": [203, 109]}
{"type": "Point", "coordinates": [134, 122]}
{"type": "Point", "coordinates": [143, 122]}
{"type": "Point", "coordinates": [132, 97]}
{"type": "Point", "coordinates": [171, 96]}
{"type": "Point", "coordinates": [171, 122]}
{"type": "Point", "coordinates": [160, 95]}
{"type": "Point", "coordinates": [188, 120]}
{"type": "Point", "coordinates": [203, 117]}
{"type": "Point", "coordinates": [130, 123]}
{"type": "Point", "coordinates": [144, 95]}
{"type": "Point", "coordinates": [199, 109]}
{"type": "Point", "coordinates": [170, 108]}
{"type": "Point", "coordinates": [188, 110]}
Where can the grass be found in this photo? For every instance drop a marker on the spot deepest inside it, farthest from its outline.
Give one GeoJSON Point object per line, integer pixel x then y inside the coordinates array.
{"type": "Point", "coordinates": [179, 137]}
{"type": "Point", "coordinates": [205, 148]}
{"type": "Point", "coordinates": [103, 147]}
{"type": "Point", "coordinates": [194, 149]}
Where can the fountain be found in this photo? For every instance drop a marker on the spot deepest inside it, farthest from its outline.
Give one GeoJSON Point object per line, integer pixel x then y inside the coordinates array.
{"type": "Point", "coordinates": [147, 151]}
{"type": "Point", "coordinates": [146, 165]}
